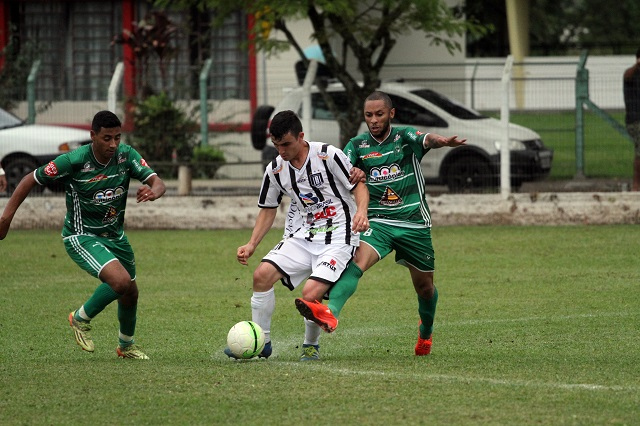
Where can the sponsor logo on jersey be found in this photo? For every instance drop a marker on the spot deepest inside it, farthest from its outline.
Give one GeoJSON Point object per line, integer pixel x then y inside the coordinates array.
{"type": "Point", "coordinates": [111, 216]}
{"type": "Point", "coordinates": [277, 169]}
{"type": "Point", "coordinates": [104, 196]}
{"type": "Point", "coordinates": [364, 144]}
{"type": "Point", "coordinates": [98, 178]}
{"type": "Point", "coordinates": [308, 199]}
{"type": "Point", "coordinates": [419, 133]}
{"type": "Point", "coordinates": [88, 167]}
{"type": "Point", "coordinates": [396, 138]}
{"type": "Point", "coordinates": [377, 174]}
{"type": "Point", "coordinates": [323, 229]}
{"type": "Point", "coordinates": [390, 198]}
{"type": "Point", "coordinates": [325, 213]}
{"type": "Point", "coordinates": [121, 159]}
{"type": "Point", "coordinates": [316, 180]}
{"type": "Point", "coordinates": [374, 154]}
{"type": "Point", "coordinates": [412, 135]}
{"type": "Point", "coordinates": [51, 169]}
{"type": "Point", "coordinates": [144, 163]}
{"type": "Point", "coordinates": [323, 155]}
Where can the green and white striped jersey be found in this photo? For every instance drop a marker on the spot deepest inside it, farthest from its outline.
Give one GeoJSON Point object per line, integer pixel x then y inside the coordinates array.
{"type": "Point", "coordinates": [394, 177]}
{"type": "Point", "coordinates": [96, 194]}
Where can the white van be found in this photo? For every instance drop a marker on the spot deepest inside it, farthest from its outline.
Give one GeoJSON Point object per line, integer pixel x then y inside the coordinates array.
{"type": "Point", "coordinates": [472, 167]}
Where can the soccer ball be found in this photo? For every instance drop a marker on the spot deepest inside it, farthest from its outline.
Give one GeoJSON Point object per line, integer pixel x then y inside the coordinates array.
{"type": "Point", "coordinates": [245, 339]}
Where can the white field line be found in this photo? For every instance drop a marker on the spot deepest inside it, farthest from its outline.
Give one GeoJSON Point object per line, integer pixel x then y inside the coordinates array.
{"type": "Point", "coordinates": [464, 379]}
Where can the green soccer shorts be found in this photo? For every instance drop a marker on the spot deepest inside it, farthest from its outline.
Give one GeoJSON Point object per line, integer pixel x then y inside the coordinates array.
{"type": "Point", "coordinates": [93, 253]}
{"type": "Point", "coordinates": [412, 245]}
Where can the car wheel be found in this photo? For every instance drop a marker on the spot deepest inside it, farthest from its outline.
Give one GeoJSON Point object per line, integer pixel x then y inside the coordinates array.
{"type": "Point", "coordinates": [259, 126]}
{"type": "Point", "coordinates": [16, 168]}
{"type": "Point", "coordinates": [469, 174]}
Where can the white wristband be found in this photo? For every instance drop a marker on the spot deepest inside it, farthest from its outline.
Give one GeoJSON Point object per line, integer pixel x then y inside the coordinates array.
{"type": "Point", "coordinates": [1, 171]}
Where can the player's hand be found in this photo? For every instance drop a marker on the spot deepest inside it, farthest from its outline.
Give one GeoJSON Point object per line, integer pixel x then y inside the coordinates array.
{"type": "Point", "coordinates": [452, 141]}
{"type": "Point", "coordinates": [356, 175]}
{"type": "Point", "coordinates": [244, 253]}
{"type": "Point", "coordinates": [145, 193]}
{"type": "Point", "coordinates": [360, 222]}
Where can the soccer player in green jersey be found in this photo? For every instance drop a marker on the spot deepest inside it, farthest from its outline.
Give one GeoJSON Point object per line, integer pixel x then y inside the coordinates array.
{"type": "Point", "coordinates": [96, 179]}
{"type": "Point", "coordinates": [398, 213]}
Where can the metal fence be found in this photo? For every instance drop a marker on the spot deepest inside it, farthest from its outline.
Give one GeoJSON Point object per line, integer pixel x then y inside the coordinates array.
{"type": "Point", "coordinates": [543, 97]}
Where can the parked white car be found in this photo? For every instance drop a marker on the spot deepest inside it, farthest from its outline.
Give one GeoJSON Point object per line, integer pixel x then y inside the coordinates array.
{"type": "Point", "coordinates": [467, 168]}
{"type": "Point", "coordinates": [23, 147]}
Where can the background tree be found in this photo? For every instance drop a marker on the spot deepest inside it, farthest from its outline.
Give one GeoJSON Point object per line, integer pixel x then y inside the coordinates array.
{"type": "Point", "coordinates": [367, 30]}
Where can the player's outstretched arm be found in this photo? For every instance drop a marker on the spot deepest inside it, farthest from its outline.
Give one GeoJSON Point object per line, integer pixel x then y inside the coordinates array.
{"type": "Point", "coordinates": [434, 140]}
{"type": "Point", "coordinates": [22, 190]}
{"type": "Point", "coordinates": [264, 222]}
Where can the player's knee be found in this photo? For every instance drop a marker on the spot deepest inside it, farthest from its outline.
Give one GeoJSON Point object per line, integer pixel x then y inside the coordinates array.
{"type": "Point", "coordinates": [123, 285]}
{"type": "Point", "coordinates": [261, 282]}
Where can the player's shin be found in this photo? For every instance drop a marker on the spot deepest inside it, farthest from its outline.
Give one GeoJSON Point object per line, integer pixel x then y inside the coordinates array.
{"type": "Point", "coordinates": [344, 288]}
{"type": "Point", "coordinates": [127, 316]}
{"type": "Point", "coordinates": [100, 299]}
{"type": "Point", "coordinates": [262, 306]}
{"type": "Point", "coordinates": [312, 332]}
{"type": "Point", "coordinates": [427, 311]}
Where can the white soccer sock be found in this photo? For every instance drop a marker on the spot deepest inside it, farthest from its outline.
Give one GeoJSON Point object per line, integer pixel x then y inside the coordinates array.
{"type": "Point", "coordinates": [82, 314]}
{"type": "Point", "coordinates": [262, 306]}
{"type": "Point", "coordinates": [312, 332]}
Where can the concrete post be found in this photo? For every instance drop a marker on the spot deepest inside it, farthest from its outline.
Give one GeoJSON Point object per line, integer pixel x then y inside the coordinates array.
{"type": "Point", "coordinates": [184, 180]}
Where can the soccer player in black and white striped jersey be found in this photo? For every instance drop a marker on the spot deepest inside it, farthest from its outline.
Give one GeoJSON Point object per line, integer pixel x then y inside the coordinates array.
{"type": "Point", "coordinates": [331, 210]}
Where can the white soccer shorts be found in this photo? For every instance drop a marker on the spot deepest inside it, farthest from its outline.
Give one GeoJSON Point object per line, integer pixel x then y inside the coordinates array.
{"type": "Point", "coordinates": [298, 259]}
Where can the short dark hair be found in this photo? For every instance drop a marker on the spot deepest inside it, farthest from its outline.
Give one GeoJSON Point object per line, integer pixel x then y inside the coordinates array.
{"type": "Point", "coordinates": [106, 120]}
{"type": "Point", "coordinates": [638, 53]}
{"type": "Point", "coordinates": [285, 122]}
{"type": "Point", "coordinates": [380, 96]}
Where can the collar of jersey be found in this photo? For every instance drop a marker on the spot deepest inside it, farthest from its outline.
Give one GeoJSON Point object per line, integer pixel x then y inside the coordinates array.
{"type": "Point", "coordinates": [385, 139]}
{"type": "Point", "coordinates": [96, 158]}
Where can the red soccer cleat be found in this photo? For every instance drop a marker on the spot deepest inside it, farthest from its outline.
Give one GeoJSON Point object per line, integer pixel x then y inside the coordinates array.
{"type": "Point", "coordinates": [318, 313]}
{"type": "Point", "coordinates": [423, 347]}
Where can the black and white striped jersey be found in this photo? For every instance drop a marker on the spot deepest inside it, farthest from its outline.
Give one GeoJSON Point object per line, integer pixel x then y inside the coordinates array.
{"type": "Point", "coordinates": [321, 191]}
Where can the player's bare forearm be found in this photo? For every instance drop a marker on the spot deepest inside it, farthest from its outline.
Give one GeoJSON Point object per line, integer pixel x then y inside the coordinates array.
{"type": "Point", "coordinates": [360, 220]}
{"type": "Point", "coordinates": [434, 141]}
{"type": "Point", "coordinates": [264, 222]}
{"type": "Point", "coordinates": [356, 175]}
{"type": "Point", "coordinates": [19, 195]}
{"type": "Point", "coordinates": [153, 189]}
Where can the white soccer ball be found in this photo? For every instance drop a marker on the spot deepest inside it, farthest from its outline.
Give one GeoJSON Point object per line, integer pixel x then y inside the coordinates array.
{"type": "Point", "coordinates": [245, 339]}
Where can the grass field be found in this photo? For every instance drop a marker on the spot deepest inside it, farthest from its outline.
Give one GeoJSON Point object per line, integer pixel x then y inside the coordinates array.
{"type": "Point", "coordinates": [535, 325]}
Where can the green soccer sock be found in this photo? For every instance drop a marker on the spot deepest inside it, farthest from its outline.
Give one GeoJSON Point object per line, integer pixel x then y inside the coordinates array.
{"type": "Point", "coordinates": [344, 288]}
{"type": "Point", "coordinates": [127, 318]}
{"type": "Point", "coordinates": [427, 311]}
{"type": "Point", "coordinates": [103, 295]}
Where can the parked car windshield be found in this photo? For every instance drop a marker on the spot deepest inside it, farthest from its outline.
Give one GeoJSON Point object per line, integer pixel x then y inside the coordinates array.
{"type": "Point", "coordinates": [8, 120]}
{"type": "Point", "coordinates": [451, 106]}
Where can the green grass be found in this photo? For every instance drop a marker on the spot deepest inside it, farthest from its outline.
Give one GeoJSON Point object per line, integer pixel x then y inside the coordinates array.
{"type": "Point", "coordinates": [607, 154]}
{"type": "Point", "coordinates": [535, 325]}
